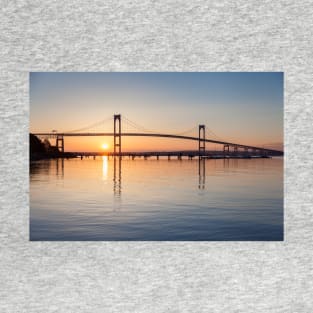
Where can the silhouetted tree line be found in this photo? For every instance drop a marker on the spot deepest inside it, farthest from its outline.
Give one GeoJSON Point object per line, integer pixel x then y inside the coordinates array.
{"type": "Point", "coordinates": [43, 149]}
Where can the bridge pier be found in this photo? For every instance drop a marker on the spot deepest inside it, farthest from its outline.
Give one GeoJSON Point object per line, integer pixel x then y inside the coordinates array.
{"type": "Point", "coordinates": [60, 143]}
{"type": "Point", "coordinates": [226, 149]}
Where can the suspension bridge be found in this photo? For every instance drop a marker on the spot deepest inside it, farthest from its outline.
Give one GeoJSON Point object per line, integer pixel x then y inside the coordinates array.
{"type": "Point", "coordinates": [200, 134]}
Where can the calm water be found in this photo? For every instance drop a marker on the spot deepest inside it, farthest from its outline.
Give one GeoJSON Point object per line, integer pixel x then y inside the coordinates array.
{"type": "Point", "coordinates": [156, 200]}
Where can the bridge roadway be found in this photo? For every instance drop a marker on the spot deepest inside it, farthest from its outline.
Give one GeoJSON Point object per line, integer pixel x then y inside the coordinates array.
{"type": "Point", "coordinates": [169, 154]}
{"type": "Point", "coordinates": [103, 134]}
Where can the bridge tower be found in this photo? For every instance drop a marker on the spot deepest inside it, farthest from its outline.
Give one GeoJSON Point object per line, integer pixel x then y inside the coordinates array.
{"type": "Point", "coordinates": [60, 143]}
{"type": "Point", "coordinates": [201, 140]}
{"type": "Point", "coordinates": [117, 133]}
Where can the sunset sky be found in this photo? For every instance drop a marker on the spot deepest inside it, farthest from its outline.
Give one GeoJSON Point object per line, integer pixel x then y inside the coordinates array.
{"type": "Point", "coordinates": [244, 108]}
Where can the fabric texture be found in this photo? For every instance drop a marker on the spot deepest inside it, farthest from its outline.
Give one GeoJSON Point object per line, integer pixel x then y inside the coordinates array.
{"type": "Point", "coordinates": [150, 277]}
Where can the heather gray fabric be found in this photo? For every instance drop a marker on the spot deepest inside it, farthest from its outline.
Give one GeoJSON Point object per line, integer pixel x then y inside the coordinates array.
{"type": "Point", "coordinates": [155, 36]}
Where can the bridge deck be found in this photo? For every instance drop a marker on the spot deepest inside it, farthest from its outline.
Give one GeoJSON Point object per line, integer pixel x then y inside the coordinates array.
{"type": "Point", "coordinates": [158, 135]}
{"type": "Point", "coordinates": [169, 154]}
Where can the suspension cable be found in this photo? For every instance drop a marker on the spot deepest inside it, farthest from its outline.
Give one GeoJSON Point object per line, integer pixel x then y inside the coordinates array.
{"type": "Point", "coordinates": [209, 131]}
{"type": "Point", "coordinates": [91, 125]}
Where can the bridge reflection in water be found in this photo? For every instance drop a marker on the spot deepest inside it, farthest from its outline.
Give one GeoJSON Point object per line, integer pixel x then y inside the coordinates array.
{"type": "Point", "coordinates": [60, 167]}
{"type": "Point", "coordinates": [117, 176]}
{"type": "Point", "coordinates": [201, 172]}
{"type": "Point", "coordinates": [117, 172]}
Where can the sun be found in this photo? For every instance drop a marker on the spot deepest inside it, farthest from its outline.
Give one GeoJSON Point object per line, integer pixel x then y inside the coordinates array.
{"type": "Point", "coordinates": [105, 146]}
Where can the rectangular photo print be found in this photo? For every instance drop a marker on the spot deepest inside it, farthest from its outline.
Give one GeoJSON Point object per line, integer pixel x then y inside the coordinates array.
{"type": "Point", "coordinates": [156, 156]}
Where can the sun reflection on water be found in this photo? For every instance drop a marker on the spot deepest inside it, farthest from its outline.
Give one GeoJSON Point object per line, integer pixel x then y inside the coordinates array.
{"type": "Point", "coordinates": [104, 167]}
